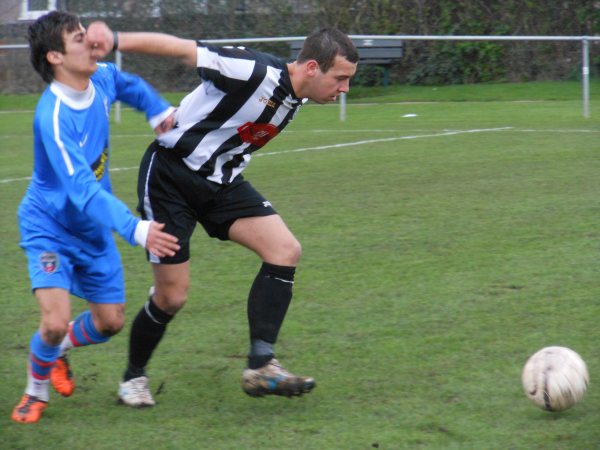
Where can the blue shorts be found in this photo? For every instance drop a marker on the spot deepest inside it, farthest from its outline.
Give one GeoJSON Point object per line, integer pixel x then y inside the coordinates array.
{"type": "Point", "coordinates": [92, 272]}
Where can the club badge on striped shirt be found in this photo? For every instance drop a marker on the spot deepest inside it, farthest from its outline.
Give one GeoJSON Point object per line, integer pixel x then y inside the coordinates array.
{"type": "Point", "coordinates": [257, 133]}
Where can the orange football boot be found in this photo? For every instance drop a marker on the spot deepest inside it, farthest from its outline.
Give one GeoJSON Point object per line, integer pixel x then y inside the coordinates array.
{"type": "Point", "coordinates": [29, 409]}
{"type": "Point", "coordinates": [61, 377]}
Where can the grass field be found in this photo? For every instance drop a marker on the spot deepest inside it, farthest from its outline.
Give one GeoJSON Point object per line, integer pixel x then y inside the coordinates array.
{"type": "Point", "coordinates": [441, 249]}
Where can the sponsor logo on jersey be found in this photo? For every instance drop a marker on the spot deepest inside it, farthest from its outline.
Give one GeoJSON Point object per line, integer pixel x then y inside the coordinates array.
{"type": "Point", "coordinates": [99, 166]}
{"type": "Point", "coordinates": [49, 262]}
{"type": "Point", "coordinates": [270, 103]}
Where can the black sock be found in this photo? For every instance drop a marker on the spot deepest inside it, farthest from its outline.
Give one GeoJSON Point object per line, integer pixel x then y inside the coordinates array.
{"type": "Point", "coordinates": [268, 302]}
{"type": "Point", "coordinates": [147, 330]}
{"type": "Point", "coordinates": [258, 361]}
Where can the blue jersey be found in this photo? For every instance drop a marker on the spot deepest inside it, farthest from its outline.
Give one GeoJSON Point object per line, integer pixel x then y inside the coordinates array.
{"type": "Point", "coordinates": [68, 214]}
{"type": "Point", "coordinates": [70, 192]}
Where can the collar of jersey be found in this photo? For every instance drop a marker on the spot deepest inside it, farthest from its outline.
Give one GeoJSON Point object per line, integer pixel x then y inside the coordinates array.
{"type": "Point", "coordinates": [72, 97]}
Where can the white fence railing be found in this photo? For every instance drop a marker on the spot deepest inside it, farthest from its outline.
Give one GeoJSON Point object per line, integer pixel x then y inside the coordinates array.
{"type": "Point", "coordinates": [585, 53]}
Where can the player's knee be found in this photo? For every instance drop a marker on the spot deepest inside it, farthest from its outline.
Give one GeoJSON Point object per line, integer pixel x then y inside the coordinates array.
{"type": "Point", "coordinates": [54, 330]}
{"type": "Point", "coordinates": [287, 253]}
{"type": "Point", "coordinates": [112, 321]}
{"type": "Point", "coordinates": [291, 253]}
{"type": "Point", "coordinates": [113, 326]}
{"type": "Point", "coordinates": [171, 301]}
{"type": "Point", "coordinates": [171, 296]}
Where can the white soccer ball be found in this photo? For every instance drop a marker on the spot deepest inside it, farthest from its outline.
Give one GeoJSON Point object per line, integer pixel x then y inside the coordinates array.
{"type": "Point", "coordinates": [555, 378]}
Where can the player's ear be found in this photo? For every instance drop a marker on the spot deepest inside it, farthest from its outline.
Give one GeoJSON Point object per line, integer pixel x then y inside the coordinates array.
{"type": "Point", "coordinates": [311, 67]}
{"type": "Point", "coordinates": [54, 57]}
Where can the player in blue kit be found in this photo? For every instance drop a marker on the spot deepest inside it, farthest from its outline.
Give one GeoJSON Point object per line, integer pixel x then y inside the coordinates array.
{"type": "Point", "coordinates": [68, 214]}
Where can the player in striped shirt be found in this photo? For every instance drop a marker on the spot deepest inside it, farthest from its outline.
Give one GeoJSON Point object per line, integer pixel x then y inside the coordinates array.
{"type": "Point", "coordinates": [69, 213]}
{"type": "Point", "coordinates": [193, 173]}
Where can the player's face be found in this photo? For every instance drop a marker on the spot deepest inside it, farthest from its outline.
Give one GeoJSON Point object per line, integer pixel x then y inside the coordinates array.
{"type": "Point", "coordinates": [327, 86]}
{"type": "Point", "coordinates": [77, 58]}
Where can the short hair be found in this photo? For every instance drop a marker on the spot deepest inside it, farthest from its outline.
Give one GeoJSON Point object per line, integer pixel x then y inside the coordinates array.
{"type": "Point", "coordinates": [324, 45]}
{"type": "Point", "coordinates": [46, 35]}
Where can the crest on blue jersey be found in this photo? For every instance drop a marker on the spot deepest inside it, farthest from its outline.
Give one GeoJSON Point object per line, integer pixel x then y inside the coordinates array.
{"type": "Point", "coordinates": [49, 262]}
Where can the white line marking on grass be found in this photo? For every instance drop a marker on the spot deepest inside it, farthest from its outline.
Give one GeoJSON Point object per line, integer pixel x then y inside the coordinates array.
{"type": "Point", "coordinates": [342, 145]}
{"type": "Point", "coordinates": [123, 169]}
{"type": "Point", "coordinates": [16, 111]}
{"type": "Point", "coordinates": [377, 141]}
{"type": "Point", "coordinates": [358, 130]}
{"type": "Point", "coordinates": [558, 131]}
{"type": "Point", "coordinates": [116, 169]}
{"type": "Point", "coordinates": [416, 130]}
{"type": "Point", "coordinates": [13, 180]}
{"type": "Point", "coordinates": [354, 130]}
{"type": "Point", "coordinates": [325, 147]}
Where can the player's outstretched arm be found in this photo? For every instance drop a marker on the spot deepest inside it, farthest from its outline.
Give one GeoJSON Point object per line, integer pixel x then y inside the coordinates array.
{"type": "Point", "coordinates": [102, 40]}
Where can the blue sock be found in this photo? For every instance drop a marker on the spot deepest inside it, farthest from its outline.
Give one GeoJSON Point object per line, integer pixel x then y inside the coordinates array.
{"type": "Point", "coordinates": [84, 332]}
{"type": "Point", "coordinates": [41, 359]}
{"type": "Point", "coordinates": [42, 356]}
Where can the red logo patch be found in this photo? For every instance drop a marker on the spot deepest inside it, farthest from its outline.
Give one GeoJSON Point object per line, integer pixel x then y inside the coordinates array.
{"type": "Point", "coordinates": [257, 133]}
{"type": "Point", "coordinates": [49, 262]}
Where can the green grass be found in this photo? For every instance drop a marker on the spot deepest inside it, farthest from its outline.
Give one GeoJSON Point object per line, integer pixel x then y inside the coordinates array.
{"type": "Point", "coordinates": [432, 268]}
{"type": "Point", "coordinates": [547, 90]}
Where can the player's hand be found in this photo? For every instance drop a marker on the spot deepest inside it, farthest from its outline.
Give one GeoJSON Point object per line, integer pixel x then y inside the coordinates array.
{"type": "Point", "coordinates": [160, 243]}
{"type": "Point", "coordinates": [166, 124]}
{"type": "Point", "coordinates": [100, 38]}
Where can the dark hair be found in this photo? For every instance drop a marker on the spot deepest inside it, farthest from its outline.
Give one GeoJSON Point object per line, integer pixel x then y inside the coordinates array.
{"type": "Point", "coordinates": [324, 45]}
{"type": "Point", "coordinates": [46, 35]}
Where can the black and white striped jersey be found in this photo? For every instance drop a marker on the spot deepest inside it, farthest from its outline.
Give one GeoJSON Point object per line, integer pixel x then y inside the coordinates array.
{"type": "Point", "coordinates": [245, 99]}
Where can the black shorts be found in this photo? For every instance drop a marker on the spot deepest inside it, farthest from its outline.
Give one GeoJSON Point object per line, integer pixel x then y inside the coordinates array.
{"type": "Point", "coordinates": [171, 193]}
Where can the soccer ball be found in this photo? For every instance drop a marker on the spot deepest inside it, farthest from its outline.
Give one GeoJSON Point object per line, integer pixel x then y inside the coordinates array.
{"type": "Point", "coordinates": [555, 378]}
